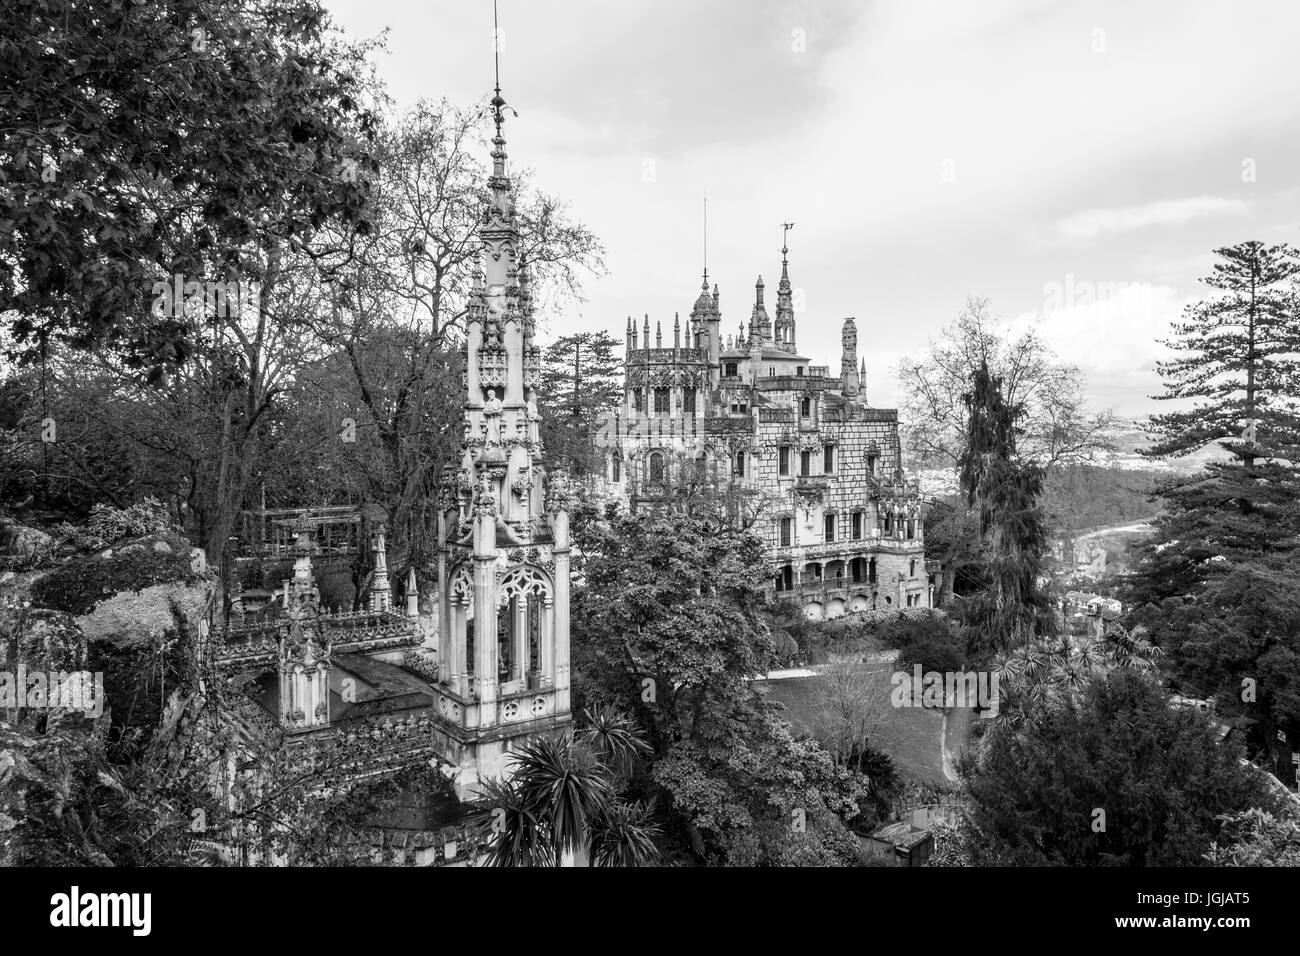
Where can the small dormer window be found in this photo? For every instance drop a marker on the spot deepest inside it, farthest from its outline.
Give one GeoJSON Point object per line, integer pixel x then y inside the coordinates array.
{"type": "Point", "coordinates": [729, 369]}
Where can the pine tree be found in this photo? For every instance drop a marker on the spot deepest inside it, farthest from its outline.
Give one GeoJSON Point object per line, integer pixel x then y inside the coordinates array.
{"type": "Point", "coordinates": [1229, 538]}
{"type": "Point", "coordinates": [1005, 495]}
{"type": "Point", "coordinates": [581, 380]}
{"type": "Point", "coordinates": [1239, 359]}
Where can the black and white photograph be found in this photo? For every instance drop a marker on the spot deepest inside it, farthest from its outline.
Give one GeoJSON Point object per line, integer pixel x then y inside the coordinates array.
{"type": "Point", "coordinates": [781, 434]}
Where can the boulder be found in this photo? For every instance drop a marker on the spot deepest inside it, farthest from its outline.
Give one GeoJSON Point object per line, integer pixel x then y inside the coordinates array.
{"type": "Point", "coordinates": [134, 594]}
{"type": "Point", "coordinates": [22, 541]}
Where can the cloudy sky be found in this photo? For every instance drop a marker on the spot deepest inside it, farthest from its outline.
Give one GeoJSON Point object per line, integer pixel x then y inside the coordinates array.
{"type": "Point", "coordinates": [1075, 163]}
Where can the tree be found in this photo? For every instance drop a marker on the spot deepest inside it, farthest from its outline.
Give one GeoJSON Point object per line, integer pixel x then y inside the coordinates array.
{"type": "Point", "coordinates": [1056, 427]}
{"type": "Point", "coordinates": [852, 706]}
{"type": "Point", "coordinates": [1049, 670]}
{"type": "Point", "coordinates": [166, 137]}
{"type": "Point", "coordinates": [581, 381]}
{"type": "Point", "coordinates": [562, 796]}
{"type": "Point", "coordinates": [668, 625]}
{"type": "Point", "coordinates": [1239, 360]}
{"type": "Point", "coordinates": [1003, 491]}
{"type": "Point", "coordinates": [1117, 777]}
{"type": "Point", "coordinates": [396, 312]}
{"type": "Point", "coordinates": [1215, 583]}
{"type": "Point", "coordinates": [1237, 629]}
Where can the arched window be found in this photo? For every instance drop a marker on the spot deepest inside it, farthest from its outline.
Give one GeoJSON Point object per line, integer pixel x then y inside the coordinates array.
{"type": "Point", "coordinates": [656, 466]}
{"type": "Point", "coordinates": [740, 464]}
{"type": "Point", "coordinates": [617, 471]}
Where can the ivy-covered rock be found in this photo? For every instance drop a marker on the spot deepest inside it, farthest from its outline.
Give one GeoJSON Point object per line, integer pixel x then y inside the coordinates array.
{"type": "Point", "coordinates": [135, 592]}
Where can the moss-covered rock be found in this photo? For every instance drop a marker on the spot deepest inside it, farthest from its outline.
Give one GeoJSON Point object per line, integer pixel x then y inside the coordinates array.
{"type": "Point", "coordinates": [135, 565]}
{"type": "Point", "coordinates": [40, 638]}
{"type": "Point", "coordinates": [21, 541]}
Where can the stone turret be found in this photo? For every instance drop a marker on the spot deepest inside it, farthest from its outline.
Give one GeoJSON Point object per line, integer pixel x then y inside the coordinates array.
{"type": "Point", "coordinates": [760, 326]}
{"type": "Point", "coordinates": [303, 661]}
{"type": "Point", "coordinates": [849, 381]}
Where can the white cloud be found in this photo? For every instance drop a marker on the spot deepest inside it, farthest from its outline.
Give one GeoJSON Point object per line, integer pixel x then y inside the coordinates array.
{"type": "Point", "coordinates": [1112, 331]}
{"type": "Point", "coordinates": [1094, 223]}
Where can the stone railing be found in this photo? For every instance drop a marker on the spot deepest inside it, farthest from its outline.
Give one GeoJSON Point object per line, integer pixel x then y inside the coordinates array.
{"type": "Point", "coordinates": [665, 355]}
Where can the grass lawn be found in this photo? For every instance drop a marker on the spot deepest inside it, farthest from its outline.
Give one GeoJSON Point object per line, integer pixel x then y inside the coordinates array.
{"type": "Point", "coordinates": [911, 738]}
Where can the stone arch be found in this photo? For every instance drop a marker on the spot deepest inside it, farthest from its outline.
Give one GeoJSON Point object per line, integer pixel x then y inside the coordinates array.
{"type": "Point", "coordinates": [813, 611]}
{"type": "Point", "coordinates": [461, 589]}
{"type": "Point", "coordinates": [834, 608]}
{"type": "Point", "coordinates": [527, 580]}
{"type": "Point", "coordinates": [859, 602]}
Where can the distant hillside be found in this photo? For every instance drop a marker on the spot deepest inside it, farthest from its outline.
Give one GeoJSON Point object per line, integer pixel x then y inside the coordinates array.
{"type": "Point", "coordinates": [1127, 435]}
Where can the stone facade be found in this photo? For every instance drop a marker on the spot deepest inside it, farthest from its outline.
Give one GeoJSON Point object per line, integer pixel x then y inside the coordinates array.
{"type": "Point", "coordinates": [817, 468]}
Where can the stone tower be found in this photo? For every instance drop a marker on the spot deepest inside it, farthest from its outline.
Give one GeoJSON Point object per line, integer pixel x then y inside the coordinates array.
{"type": "Point", "coordinates": [849, 384]}
{"type": "Point", "coordinates": [504, 557]}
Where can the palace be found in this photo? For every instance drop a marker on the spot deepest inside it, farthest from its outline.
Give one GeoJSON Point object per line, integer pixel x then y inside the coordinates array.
{"type": "Point", "coordinates": [818, 470]}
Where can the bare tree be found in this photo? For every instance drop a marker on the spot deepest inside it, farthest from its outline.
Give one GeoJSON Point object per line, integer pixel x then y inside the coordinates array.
{"type": "Point", "coordinates": [398, 306]}
{"type": "Point", "coordinates": [853, 704]}
{"type": "Point", "coordinates": [1056, 426]}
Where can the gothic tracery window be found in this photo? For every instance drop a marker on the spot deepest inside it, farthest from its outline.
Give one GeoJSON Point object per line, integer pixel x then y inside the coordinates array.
{"type": "Point", "coordinates": [656, 466]}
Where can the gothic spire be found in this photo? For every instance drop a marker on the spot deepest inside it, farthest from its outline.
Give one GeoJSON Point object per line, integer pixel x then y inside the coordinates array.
{"type": "Point", "coordinates": [784, 297]}
{"type": "Point", "coordinates": [760, 326]}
